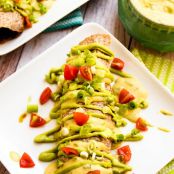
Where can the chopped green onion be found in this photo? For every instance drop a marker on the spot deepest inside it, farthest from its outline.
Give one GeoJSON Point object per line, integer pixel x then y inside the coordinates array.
{"type": "Point", "coordinates": [33, 18]}
{"type": "Point", "coordinates": [85, 129]}
{"type": "Point", "coordinates": [55, 96]}
{"type": "Point", "coordinates": [143, 104]}
{"type": "Point", "coordinates": [80, 95]}
{"type": "Point", "coordinates": [43, 9]}
{"type": "Point", "coordinates": [68, 54]}
{"type": "Point", "coordinates": [90, 89]}
{"type": "Point", "coordinates": [120, 137]}
{"type": "Point", "coordinates": [14, 156]}
{"type": "Point", "coordinates": [135, 132]}
{"type": "Point", "coordinates": [132, 105]}
{"type": "Point", "coordinates": [32, 108]}
{"type": "Point", "coordinates": [59, 163]}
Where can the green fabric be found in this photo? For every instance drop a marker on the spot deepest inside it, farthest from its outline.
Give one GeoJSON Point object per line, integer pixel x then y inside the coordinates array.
{"type": "Point", "coordinates": [162, 66]}
{"type": "Point", "coordinates": [73, 19]}
{"type": "Point", "coordinates": [168, 169]}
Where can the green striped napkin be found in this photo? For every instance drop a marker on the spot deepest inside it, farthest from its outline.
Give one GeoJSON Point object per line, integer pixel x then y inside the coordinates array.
{"type": "Point", "coordinates": [168, 169]}
{"type": "Point", "coordinates": [73, 19]}
{"type": "Point", "coordinates": [162, 66]}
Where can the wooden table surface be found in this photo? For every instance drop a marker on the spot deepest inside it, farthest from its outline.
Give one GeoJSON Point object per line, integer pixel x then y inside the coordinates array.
{"type": "Point", "coordinates": [103, 12]}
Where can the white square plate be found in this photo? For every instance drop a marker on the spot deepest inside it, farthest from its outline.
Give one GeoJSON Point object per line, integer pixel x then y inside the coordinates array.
{"type": "Point", "coordinates": [148, 155]}
{"type": "Point", "coordinates": [59, 9]}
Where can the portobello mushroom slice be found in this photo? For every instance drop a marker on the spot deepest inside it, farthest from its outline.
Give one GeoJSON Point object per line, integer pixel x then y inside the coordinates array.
{"type": "Point", "coordinates": [11, 25]}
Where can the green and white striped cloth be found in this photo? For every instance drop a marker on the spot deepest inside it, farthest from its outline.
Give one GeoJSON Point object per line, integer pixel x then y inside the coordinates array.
{"type": "Point", "coordinates": [73, 19]}
{"type": "Point", "coordinates": [160, 64]}
{"type": "Point", "coordinates": [168, 169]}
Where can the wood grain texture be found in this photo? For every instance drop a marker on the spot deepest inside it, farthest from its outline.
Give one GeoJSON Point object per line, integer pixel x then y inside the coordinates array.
{"type": "Point", "coordinates": [8, 63]}
{"type": "Point", "coordinates": [103, 12]}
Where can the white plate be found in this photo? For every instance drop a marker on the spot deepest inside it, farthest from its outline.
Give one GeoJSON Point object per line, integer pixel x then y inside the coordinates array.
{"type": "Point", "coordinates": [60, 9]}
{"type": "Point", "coordinates": [148, 155]}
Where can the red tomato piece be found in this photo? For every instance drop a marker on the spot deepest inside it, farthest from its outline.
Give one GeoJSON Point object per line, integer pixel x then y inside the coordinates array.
{"type": "Point", "coordinates": [28, 23]}
{"type": "Point", "coordinates": [26, 161]}
{"type": "Point", "coordinates": [125, 153]}
{"type": "Point", "coordinates": [125, 96]}
{"type": "Point", "coordinates": [117, 64]}
{"type": "Point", "coordinates": [141, 124]}
{"type": "Point", "coordinates": [36, 121]}
{"type": "Point", "coordinates": [94, 172]}
{"type": "Point", "coordinates": [70, 151]}
{"type": "Point", "coordinates": [70, 72]}
{"type": "Point", "coordinates": [86, 72]}
{"type": "Point", "coordinates": [45, 95]}
{"type": "Point", "coordinates": [80, 118]}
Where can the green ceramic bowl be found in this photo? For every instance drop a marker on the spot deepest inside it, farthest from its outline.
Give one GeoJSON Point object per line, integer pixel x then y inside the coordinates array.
{"type": "Point", "coordinates": [149, 34]}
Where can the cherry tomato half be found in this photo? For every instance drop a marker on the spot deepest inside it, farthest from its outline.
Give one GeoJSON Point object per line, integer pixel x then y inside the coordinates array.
{"type": "Point", "coordinates": [125, 96]}
{"type": "Point", "coordinates": [26, 161]}
{"type": "Point", "coordinates": [28, 23]}
{"type": "Point", "coordinates": [117, 64]}
{"type": "Point", "coordinates": [36, 121]}
{"type": "Point", "coordinates": [45, 95]}
{"type": "Point", "coordinates": [125, 153]}
{"type": "Point", "coordinates": [80, 118]}
{"type": "Point", "coordinates": [86, 72]}
{"type": "Point", "coordinates": [141, 124]}
{"type": "Point", "coordinates": [70, 72]}
{"type": "Point", "coordinates": [94, 172]}
{"type": "Point", "coordinates": [70, 151]}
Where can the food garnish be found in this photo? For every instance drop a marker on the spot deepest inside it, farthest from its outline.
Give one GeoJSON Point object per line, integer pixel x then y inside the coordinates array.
{"type": "Point", "coordinates": [80, 118]}
{"type": "Point", "coordinates": [26, 161]}
{"type": "Point", "coordinates": [36, 120]}
{"type": "Point", "coordinates": [141, 124]}
{"type": "Point", "coordinates": [125, 153]}
{"type": "Point", "coordinates": [117, 64]}
{"type": "Point", "coordinates": [70, 72]}
{"type": "Point", "coordinates": [45, 95]}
